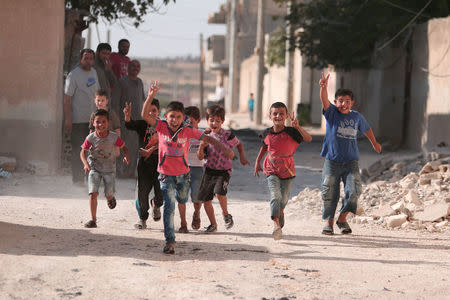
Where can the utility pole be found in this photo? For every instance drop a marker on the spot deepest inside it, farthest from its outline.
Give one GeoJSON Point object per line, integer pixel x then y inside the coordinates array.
{"type": "Point", "coordinates": [290, 61]}
{"type": "Point", "coordinates": [88, 38]}
{"type": "Point", "coordinates": [260, 68]}
{"type": "Point", "coordinates": [232, 63]}
{"type": "Point", "coordinates": [108, 36]}
{"type": "Point", "coordinates": [202, 69]}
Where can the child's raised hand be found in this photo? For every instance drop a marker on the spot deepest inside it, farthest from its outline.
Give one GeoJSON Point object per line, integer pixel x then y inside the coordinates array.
{"type": "Point", "coordinates": [127, 110]}
{"type": "Point", "coordinates": [154, 89]}
{"type": "Point", "coordinates": [294, 121]}
{"type": "Point", "coordinates": [324, 80]}
{"type": "Point", "coordinates": [126, 160]}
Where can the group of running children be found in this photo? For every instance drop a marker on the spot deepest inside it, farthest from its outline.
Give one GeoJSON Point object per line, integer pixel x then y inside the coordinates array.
{"type": "Point", "coordinates": [176, 157]}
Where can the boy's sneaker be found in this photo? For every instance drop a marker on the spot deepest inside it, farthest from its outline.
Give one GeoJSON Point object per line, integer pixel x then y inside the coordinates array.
{"type": "Point", "coordinates": [211, 228]}
{"type": "Point", "coordinates": [156, 211]}
{"type": "Point", "coordinates": [141, 224]}
{"type": "Point", "coordinates": [228, 219]}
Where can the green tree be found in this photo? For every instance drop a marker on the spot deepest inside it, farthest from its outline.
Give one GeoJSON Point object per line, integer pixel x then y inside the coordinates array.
{"type": "Point", "coordinates": [112, 10]}
{"type": "Point", "coordinates": [349, 33]}
{"type": "Point", "coordinates": [276, 49]}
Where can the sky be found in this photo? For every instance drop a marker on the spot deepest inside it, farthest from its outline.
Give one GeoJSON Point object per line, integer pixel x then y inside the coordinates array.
{"type": "Point", "coordinates": [174, 31]}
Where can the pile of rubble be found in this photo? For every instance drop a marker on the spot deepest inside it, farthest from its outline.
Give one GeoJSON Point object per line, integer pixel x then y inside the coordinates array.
{"type": "Point", "coordinates": [407, 194]}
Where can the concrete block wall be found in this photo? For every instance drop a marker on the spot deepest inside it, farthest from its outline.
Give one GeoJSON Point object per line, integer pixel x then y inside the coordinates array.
{"type": "Point", "coordinates": [32, 34]}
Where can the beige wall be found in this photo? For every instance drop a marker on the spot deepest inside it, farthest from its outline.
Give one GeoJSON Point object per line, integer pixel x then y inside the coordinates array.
{"type": "Point", "coordinates": [32, 38]}
{"type": "Point", "coordinates": [429, 122]}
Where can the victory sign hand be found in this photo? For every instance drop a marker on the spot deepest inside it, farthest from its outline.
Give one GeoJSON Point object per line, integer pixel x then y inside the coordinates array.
{"type": "Point", "coordinates": [324, 80]}
{"type": "Point", "coordinates": [154, 89]}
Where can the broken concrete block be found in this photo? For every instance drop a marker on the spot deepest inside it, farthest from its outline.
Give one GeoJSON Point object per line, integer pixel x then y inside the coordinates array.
{"type": "Point", "coordinates": [398, 206]}
{"type": "Point", "coordinates": [382, 211]}
{"type": "Point", "coordinates": [397, 167]}
{"type": "Point", "coordinates": [37, 167]}
{"type": "Point", "coordinates": [430, 167]}
{"type": "Point", "coordinates": [413, 197]}
{"type": "Point", "coordinates": [395, 221]}
{"type": "Point", "coordinates": [8, 163]}
{"type": "Point", "coordinates": [447, 199]}
{"type": "Point", "coordinates": [441, 224]}
{"type": "Point", "coordinates": [444, 168]}
{"type": "Point", "coordinates": [433, 212]}
{"type": "Point", "coordinates": [425, 179]}
{"type": "Point", "coordinates": [359, 210]}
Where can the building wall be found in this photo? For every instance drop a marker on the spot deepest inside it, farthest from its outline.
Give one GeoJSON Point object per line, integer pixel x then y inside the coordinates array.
{"type": "Point", "coordinates": [32, 35]}
{"type": "Point", "coordinates": [429, 122]}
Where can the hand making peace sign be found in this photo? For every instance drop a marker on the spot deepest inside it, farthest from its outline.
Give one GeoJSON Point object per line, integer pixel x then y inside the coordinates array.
{"type": "Point", "coordinates": [324, 80]}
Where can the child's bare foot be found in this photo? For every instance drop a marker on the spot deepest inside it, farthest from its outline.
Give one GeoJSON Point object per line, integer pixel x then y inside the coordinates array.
{"type": "Point", "coordinates": [196, 221]}
{"type": "Point", "coordinates": [183, 229]}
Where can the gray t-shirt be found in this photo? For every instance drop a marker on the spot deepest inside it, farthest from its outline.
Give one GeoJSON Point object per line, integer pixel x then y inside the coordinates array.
{"type": "Point", "coordinates": [101, 151]}
{"type": "Point", "coordinates": [81, 86]}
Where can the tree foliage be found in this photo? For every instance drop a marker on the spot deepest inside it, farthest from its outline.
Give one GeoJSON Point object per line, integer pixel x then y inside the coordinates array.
{"type": "Point", "coordinates": [276, 49]}
{"type": "Point", "coordinates": [348, 33]}
{"type": "Point", "coordinates": [111, 10]}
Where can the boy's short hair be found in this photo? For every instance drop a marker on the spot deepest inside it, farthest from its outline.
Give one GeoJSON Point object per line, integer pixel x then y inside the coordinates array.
{"type": "Point", "coordinates": [123, 41]}
{"type": "Point", "coordinates": [104, 46]}
{"type": "Point", "coordinates": [343, 92]}
{"type": "Point", "coordinates": [101, 112]}
{"type": "Point", "coordinates": [215, 110]}
{"type": "Point", "coordinates": [101, 93]}
{"type": "Point", "coordinates": [192, 111]}
{"type": "Point", "coordinates": [175, 106]}
{"type": "Point", "coordinates": [86, 50]}
{"type": "Point", "coordinates": [278, 105]}
{"type": "Point", "coordinates": [155, 102]}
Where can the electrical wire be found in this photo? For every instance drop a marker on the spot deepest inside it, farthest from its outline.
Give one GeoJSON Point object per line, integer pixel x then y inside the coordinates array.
{"type": "Point", "coordinates": [405, 27]}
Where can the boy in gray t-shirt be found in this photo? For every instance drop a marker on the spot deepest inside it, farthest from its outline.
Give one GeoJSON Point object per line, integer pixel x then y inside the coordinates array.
{"type": "Point", "coordinates": [101, 162]}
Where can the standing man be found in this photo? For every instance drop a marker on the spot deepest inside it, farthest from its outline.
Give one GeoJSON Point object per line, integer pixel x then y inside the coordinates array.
{"type": "Point", "coordinates": [120, 60]}
{"type": "Point", "coordinates": [130, 89]}
{"type": "Point", "coordinates": [103, 66]}
{"type": "Point", "coordinates": [220, 94]}
{"type": "Point", "coordinates": [79, 93]}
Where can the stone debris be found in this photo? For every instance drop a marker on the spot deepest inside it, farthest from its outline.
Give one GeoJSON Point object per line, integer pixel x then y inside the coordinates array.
{"type": "Point", "coordinates": [8, 163]}
{"type": "Point", "coordinates": [37, 167]}
{"type": "Point", "coordinates": [411, 194]}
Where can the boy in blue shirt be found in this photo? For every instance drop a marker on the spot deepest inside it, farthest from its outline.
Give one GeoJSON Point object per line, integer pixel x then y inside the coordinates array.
{"type": "Point", "coordinates": [340, 150]}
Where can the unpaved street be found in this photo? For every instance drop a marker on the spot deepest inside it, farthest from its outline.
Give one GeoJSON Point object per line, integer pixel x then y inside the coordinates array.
{"type": "Point", "coordinates": [45, 253]}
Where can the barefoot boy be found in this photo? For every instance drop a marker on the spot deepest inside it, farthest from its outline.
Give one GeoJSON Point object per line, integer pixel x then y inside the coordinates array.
{"type": "Point", "coordinates": [281, 142]}
{"type": "Point", "coordinates": [101, 162]}
{"type": "Point", "coordinates": [340, 150]}
{"type": "Point", "coordinates": [173, 148]}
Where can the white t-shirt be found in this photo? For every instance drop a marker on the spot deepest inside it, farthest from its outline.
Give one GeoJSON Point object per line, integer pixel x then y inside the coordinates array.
{"type": "Point", "coordinates": [81, 86]}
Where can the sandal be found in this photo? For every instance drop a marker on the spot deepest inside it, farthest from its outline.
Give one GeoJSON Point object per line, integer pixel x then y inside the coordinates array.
{"type": "Point", "coordinates": [328, 230]}
{"type": "Point", "coordinates": [141, 224]}
{"type": "Point", "coordinates": [156, 211]}
{"type": "Point", "coordinates": [169, 249]}
{"type": "Point", "coordinates": [211, 228]}
{"type": "Point", "coordinates": [90, 224]}
{"type": "Point", "coordinates": [344, 227]}
{"type": "Point", "coordinates": [112, 203]}
{"type": "Point", "coordinates": [183, 229]}
{"type": "Point", "coordinates": [195, 222]}
{"type": "Point", "coordinates": [277, 234]}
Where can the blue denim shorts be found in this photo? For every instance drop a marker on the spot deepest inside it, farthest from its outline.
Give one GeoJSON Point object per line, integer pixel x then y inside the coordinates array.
{"type": "Point", "coordinates": [196, 179]}
{"type": "Point", "coordinates": [94, 179]}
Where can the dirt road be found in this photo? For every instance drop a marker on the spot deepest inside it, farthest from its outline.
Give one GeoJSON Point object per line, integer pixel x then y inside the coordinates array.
{"type": "Point", "coordinates": [45, 253]}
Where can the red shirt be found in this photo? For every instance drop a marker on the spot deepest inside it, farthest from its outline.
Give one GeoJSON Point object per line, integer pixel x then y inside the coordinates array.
{"type": "Point", "coordinates": [281, 147]}
{"type": "Point", "coordinates": [119, 64]}
{"type": "Point", "coordinates": [173, 148]}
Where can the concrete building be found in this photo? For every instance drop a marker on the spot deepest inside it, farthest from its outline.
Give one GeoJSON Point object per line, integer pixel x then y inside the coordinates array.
{"type": "Point", "coordinates": [218, 52]}
{"type": "Point", "coordinates": [31, 93]}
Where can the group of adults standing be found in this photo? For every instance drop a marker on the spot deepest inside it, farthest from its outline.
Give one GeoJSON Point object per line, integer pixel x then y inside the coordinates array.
{"type": "Point", "coordinates": [117, 75]}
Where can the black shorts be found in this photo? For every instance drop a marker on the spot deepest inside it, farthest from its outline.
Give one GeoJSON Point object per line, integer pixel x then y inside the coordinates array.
{"type": "Point", "coordinates": [213, 182]}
